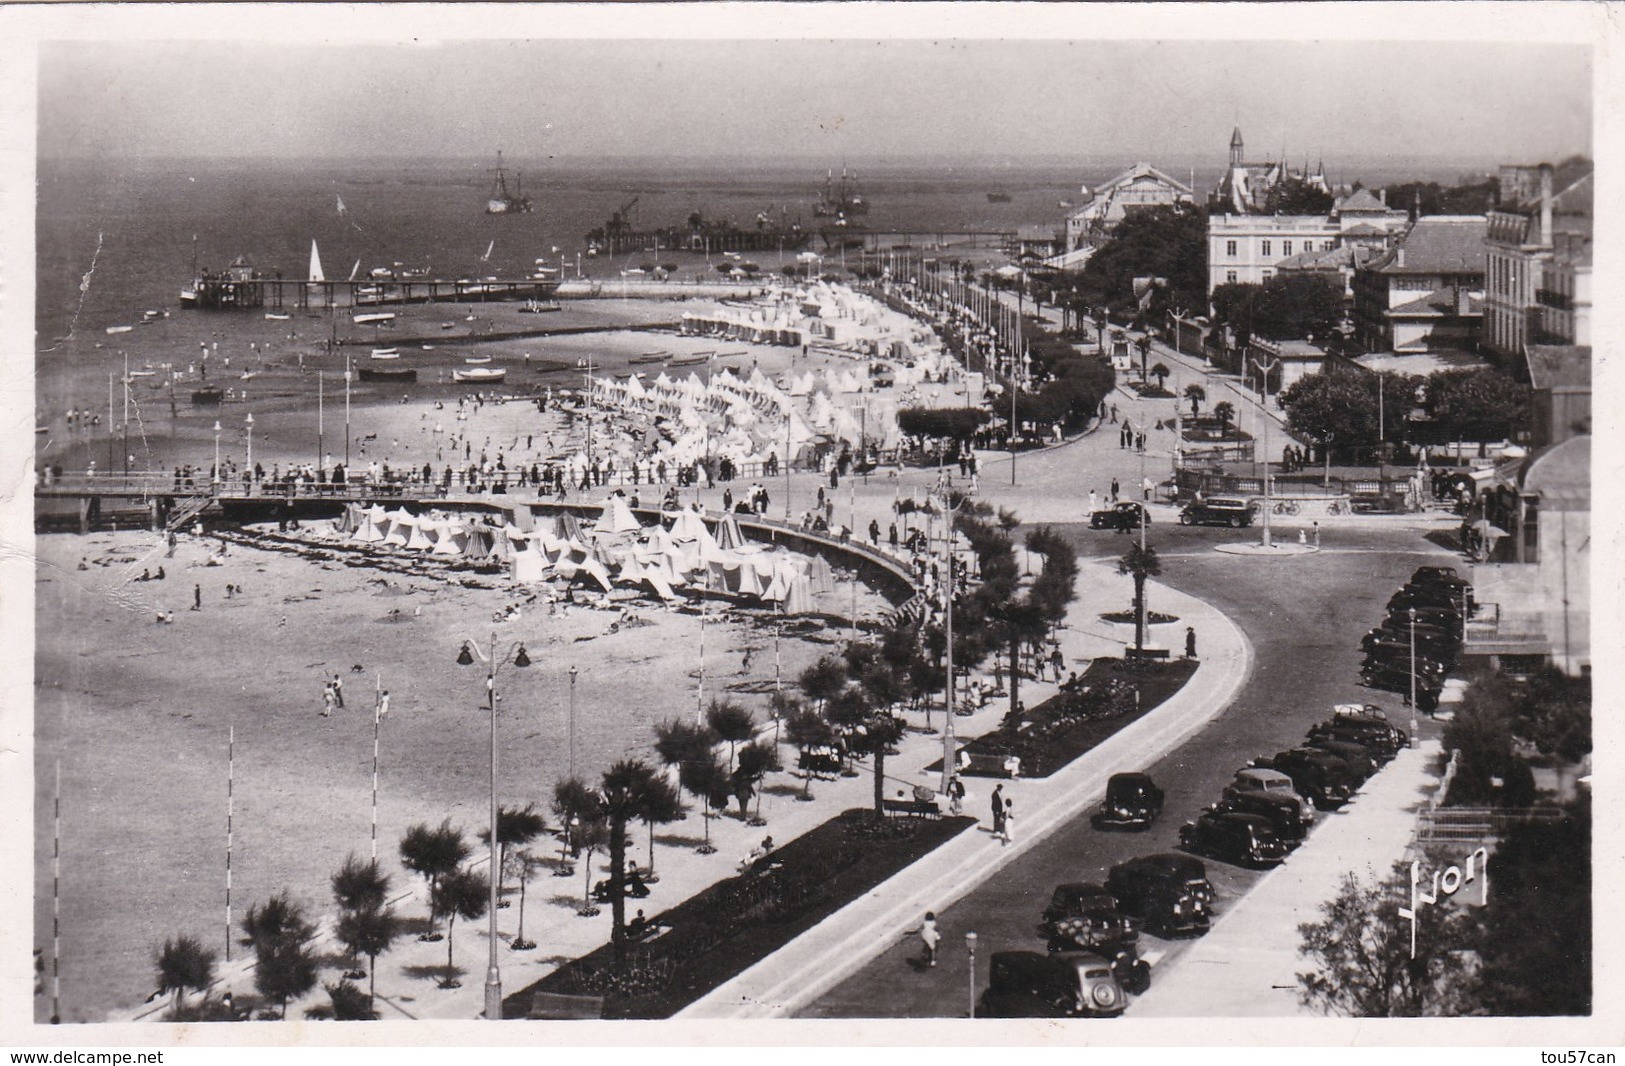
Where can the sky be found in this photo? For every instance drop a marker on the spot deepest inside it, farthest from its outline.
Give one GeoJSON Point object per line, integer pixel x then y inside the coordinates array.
{"type": "Point", "coordinates": [844, 99]}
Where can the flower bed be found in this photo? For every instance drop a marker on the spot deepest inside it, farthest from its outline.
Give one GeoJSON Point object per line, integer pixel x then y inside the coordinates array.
{"type": "Point", "coordinates": [1152, 618]}
{"type": "Point", "coordinates": [1110, 694]}
{"type": "Point", "coordinates": [736, 923]}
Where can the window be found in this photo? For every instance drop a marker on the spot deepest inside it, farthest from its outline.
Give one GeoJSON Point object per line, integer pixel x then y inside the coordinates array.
{"type": "Point", "coordinates": [1268, 273]}
{"type": "Point", "coordinates": [1230, 276]}
{"type": "Point", "coordinates": [1264, 248]}
{"type": "Point", "coordinates": [1230, 249]}
{"type": "Point", "coordinates": [1326, 246]}
{"type": "Point", "coordinates": [1286, 248]}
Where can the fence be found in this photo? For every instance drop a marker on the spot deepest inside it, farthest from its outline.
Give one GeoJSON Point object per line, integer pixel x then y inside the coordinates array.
{"type": "Point", "coordinates": [1467, 825]}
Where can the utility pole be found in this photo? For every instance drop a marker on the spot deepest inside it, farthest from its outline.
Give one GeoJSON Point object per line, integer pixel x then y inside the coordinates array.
{"type": "Point", "coordinates": [1264, 384]}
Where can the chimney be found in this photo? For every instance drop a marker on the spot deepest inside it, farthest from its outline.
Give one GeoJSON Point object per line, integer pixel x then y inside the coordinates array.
{"type": "Point", "coordinates": [1399, 256]}
{"type": "Point", "coordinates": [1545, 205]}
{"type": "Point", "coordinates": [1382, 197]}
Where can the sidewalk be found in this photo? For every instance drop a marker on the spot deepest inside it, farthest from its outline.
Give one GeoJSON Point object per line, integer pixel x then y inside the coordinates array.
{"type": "Point", "coordinates": [819, 959]}
{"type": "Point", "coordinates": [1247, 965]}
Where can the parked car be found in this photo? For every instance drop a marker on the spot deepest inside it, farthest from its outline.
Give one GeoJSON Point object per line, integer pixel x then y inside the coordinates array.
{"type": "Point", "coordinates": [1170, 894]}
{"type": "Point", "coordinates": [1133, 801]}
{"type": "Point", "coordinates": [1432, 597]}
{"type": "Point", "coordinates": [1122, 516]}
{"type": "Point", "coordinates": [1084, 917]}
{"type": "Point", "coordinates": [1429, 641]}
{"type": "Point", "coordinates": [1379, 740]}
{"type": "Point", "coordinates": [1399, 681]}
{"type": "Point", "coordinates": [1361, 760]}
{"type": "Point", "coordinates": [1369, 717]}
{"type": "Point", "coordinates": [1234, 511]}
{"type": "Point", "coordinates": [1429, 620]}
{"type": "Point", "coordinates": [1242, 839]}
{"type": "Point", "coordinates": [1259, 780]}
{"type": "Point", "coordinates": [1030, 984]}
{"type": "Point", "coordinates": [1317, 775]}
{"type": "Point", "coordinates": [1446, 577]}
{"type": "Point", "coordinates": [1282, 812]}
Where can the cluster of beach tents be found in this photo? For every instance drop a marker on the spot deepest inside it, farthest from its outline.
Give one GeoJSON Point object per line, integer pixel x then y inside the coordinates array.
{"type": "Point", "coordinates": [617, 550]}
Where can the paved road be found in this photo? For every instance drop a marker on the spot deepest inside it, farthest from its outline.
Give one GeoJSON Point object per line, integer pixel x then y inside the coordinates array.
{"type": "Point", "coordinates": [1304, 616]}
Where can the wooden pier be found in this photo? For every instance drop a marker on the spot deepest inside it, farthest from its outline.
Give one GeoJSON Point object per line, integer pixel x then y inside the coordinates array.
{"type": "Point", "coordinates": [233, 291]}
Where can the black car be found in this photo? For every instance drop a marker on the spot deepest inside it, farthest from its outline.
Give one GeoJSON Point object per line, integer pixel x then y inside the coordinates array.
{"type": "Point", "coordinates": [1282, 812]}
{"type": "Point", "coordinates": [1242, 839]}
{"type": "Point", "coordinates": [1084, 917]}
{"type": "Point", "coordinates": [1429, 641]}
{"type": "Point", "coordinates": [1379, 741]}
{"type": "Point", "coordinates": [1361, 760]}
{"type": "Point", "coordinates": [1444, 577]}
{"type": "Point", "coordinates": [1029, 984]}
{"type": "Point", "coordinates": [1170, 894]}
{"type": "Point", "coordinates": [1436, 599]}
{"type": "Point", "coordinates": [1133, 801]}
{"type": "Point", "coordinates": [1427, 669]}
{"type": "Point", "coordinates": [1429, 621]}
{"type": "Point", "coordinates": [1399, 682]}
{"type": "Point", "coordinates": [1233, 511]}
{"type": "Point", "coordinates": [1324, 780]}
{"type": "Point", "coordinates": [1123, 516]}
{"type": "Point", "coordinates": [1368, 717]}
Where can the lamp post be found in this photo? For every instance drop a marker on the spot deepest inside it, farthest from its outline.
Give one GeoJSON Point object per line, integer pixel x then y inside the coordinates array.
{"type": "Point", "coordinates": [1412, 613]}
{"type": "Point", "coordinates": [249, 455]}
{"type": "Point", "coordinates": [970, 952]}
{"type": "Point", "coordinates": [516, 655]}
{"type": "Point", "coordinates": [216, 478]}
{"type": "Point", "coordinates": [572, 722]}
{"type": "Point", "coordinates": [1264, 416]}
{"type": "Point", "coordinates": [948, 751]}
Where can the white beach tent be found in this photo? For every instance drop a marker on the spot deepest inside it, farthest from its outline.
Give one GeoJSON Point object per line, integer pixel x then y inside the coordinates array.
{"type": "Point", "coordinates": [368, 532]}
{"type": "Point", "coordinates": [401, 523]}
{"type": "Point", "coordinates": [450, 538]}
{"type": "Point", "coordinates": [618, 517]}
{"type": "Point", "coordinates": [421, 536]}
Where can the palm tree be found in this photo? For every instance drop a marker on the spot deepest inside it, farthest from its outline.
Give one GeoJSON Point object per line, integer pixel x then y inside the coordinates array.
{"type": "Point", "coordinates": [630, 788]}
{"type": "Point", "coordinates": [730, 722]}
{"type": "Point", "coordinates": [806, 730]}
{"type": "Point", "coordinates": [1160, 371]}
{"type": "Point", "coordinates": [184, 963]}
{"type": "Point", "coordinates": [433, 853]}
{"type": "Point", "coordinates": [1197, 396]}
{"type": "Point", "coordinates": [1140, 563]}
{"type": "Point", "coordinates": [575, 805]}
{"type": "Point", "coordinates": [514, 827]}
{"type": "Point", "coordinates": [458, 894]}
{"type": "Point", "coordinates": [1143, 343]}
{"type": "Point", "coordinates": [1225, 412]}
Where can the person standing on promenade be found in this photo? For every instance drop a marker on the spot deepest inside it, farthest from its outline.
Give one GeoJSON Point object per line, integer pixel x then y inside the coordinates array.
{"type": "Point", "coordinates": [338, 692]}
{"type": "Point", "coordinates": [930, 937]}
{"type": "Point", "coordinates": [1006, 833]}
{"type": "Point", "coordinates": [197, 597]}
{"type": "Point", "coordinates": [1190, 642]}
{"type": "Point", "coordinates": [998, 810]}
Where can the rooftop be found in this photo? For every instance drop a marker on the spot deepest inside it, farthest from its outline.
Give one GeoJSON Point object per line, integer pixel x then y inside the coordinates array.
{"type": "Point", "coordinates": [1559, 366]}
{"type": "Point", "coordinates": [1419, 363]}
{"type": "Point", "coordinates": [1445, 244]}
{"type": "Point", "coordinates": [1562, 472]}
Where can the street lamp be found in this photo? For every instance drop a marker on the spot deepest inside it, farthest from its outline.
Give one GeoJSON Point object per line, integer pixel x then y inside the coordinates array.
{"type": "Point", "coordinates": [516, 655]}
{"type": "Point", "coordinates": [572, 722]}
{"type": "Point", "coordinates": [970, 951]}
{"type": "Point", "coordinates": [1264, 416]}
{"type": "Point", "coordinates": [248, 462]}
{"type": "Point", "coordinates": [949, 753]}
{"type": "Point", "coordinates": [1412, 612]}
{"type": "Point", "coordinates": [216, 478]}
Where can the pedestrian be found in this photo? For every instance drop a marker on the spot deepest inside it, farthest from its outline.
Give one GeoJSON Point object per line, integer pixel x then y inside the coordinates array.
{"type": "Point", "coordinates": [1190, 642]}
{"type": "Point", "coordinates": [1114, 490]}
{"type": "Point", "coordinates": [197, 597]}
{"type": "Point", "coordinates": [1317, 535]}
{"type": "Point", "coordinates": [1303, 536]}
{"type": "Point", "coordinates": [930, 937]}
{"type": "Point", "coordinates": [383, 703]}
{"type": "Point", "coordinates": [956, 795]}
{"type": "Point", "coordinates": [1094, 501]}
{"type": "Point", "coordinates": [338, 692]}
{"type": "Point", "coordinates": [998, 810]}
{"type": "Point", "coordinates": [327, 699]}
{"type": "Point", "coordinates": [874, 532]}
{"type": "Point", "coordinates": [1007, 828]}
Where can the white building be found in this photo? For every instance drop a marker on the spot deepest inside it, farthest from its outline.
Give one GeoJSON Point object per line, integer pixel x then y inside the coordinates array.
{"type": "Point", "coordinates": [1246, 248]}
{"type": "Point", "coordinates": [1138, 188]}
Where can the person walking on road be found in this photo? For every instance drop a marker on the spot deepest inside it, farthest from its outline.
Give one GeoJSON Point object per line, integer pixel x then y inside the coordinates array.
{"type": "Point", "coordinates": [338, 692]}
{"type": "Point", "coordinates": [197, 597]}
{"type": "Point", "coordinates": [1190, 642]}
{"type": "Point", "coordinates": [1006, 831]}
{"type": "Point", "coordinates": [956, 795]}
{"type": "Point", "coordinates": [930, 937]}
{"type": "Point", "coordinates": [998, 810]}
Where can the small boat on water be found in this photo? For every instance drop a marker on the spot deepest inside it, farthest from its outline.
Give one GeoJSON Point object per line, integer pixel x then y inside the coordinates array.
{"type": "Point", "coordinates": [690, 360]}
{"type": "Point", "coordinates": [396, 374]}
{"type": "Point", "coordinates": [477, 360]}
{"type": "Point", "coordinates": [270, 317]}
{"type": "Point", "coordinates": [142, 373]}
{"type": "Point", "coordinates": [384, 353]}
{"type": "Point", "coordinates": [651, 357]}
{"type": "Point", "coordinates": [479, 376]}
{"type": "Point", "coordinates": [373, 318]}
{"type": "Point", "coordinates": [448, 325]}
{"type": "Point", "coordinates": [998, 197]}
{"type": "Point", "coordinates": [120, 329]}
{"type": "Point", "coordinates": [383, 356]}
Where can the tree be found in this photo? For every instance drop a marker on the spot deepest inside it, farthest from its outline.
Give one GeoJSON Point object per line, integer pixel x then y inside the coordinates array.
{"type": "Point", "coordinates": [523, 864]}
{"type": "Point", "coordinates": [1233, 304]}
{"type": "Point", "coordinates": [708, 781]}
{"type": "Point", "coordinates": [1480, 733]}
{"type": "Point", "coordinates": [1160, 371]}
{"type": "Point", "coordinates": [823, 680]}
{"type": "Point", "coordinates": [756, 760]}
{"type": "Point", "coordinates": [184, 963]}
{"type": "Point", "coordinates": [1482, 404]}
{"type": "Point", "coordinates": [368, 931]}
{"type": "Point", "coordinates": [1294, 306]}
{"type": "Point", "coordinates": [1225, 412]}
{"type": "Point", "coordinates": [1139, 563]}
{"type": "Point", "coordinates": [807, 730]}
{"type": "Point", "coordinates": [1343, 402]}
{"type": "Point", "coordinates": [867, 730]}
{"type": "Point", "coordinates": [957, 423]}
{"type": "Point", "coordinates": [631, 788]}
{"type": "Point", "coordinates": [1165, 242]}
{"type": "Point", "coordinates": [1197, 396]}
{"type": "Point", "coordinates": [678, 742]}
{"type": "Point", "coordinates": [359, 885]}
{"type": "Point", "coordinates": [1362, 953]}
{"type": "Point", "coordinates": [349, 1005]}
{"type": "Point", "coordinates": [577, 808]}
{"type": "Point", "coordinates": [1142, 344]}
{"type": "Point", "coordinates": [730, 722]}
{"type": "Point", "coordinates": [458, 894]}
{"type": "Point", "coordinates": [284, 966]}
{"type": "Point", "coordinates": [515, 827]}
{"type": "Point", "coordinates": [433, 853]}
{"type": "Point", "coordinates": [1554, 715]}
{"type": "Point", "coordinates": [1295, 196]}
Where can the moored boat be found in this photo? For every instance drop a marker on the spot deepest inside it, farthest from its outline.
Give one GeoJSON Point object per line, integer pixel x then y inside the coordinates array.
{"type": "Point", "coordinates": [372, 318]}
{"type": "Point", "coordinates": [477, 360]}
{"type": "Point", "coordinates": [479, 375]}
{"type": "Point", "coordinates": [396, 374]}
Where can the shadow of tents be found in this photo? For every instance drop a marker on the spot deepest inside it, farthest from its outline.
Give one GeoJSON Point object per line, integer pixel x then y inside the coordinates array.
{"type": "Point", "coordinates": [679, 840]}
{"type": "Point", "coordinates": [420, 972]}
{"type": "Point", "coordinates": [781, 790]}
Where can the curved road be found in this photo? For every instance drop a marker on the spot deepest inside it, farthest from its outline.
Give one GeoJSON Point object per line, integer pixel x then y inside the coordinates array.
{"type": "Point", "coordinates": [1304, 615]}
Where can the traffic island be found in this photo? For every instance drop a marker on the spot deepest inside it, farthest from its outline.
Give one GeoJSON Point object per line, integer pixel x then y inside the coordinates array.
{"type": "Point", "coordinates": [1269, 550]}
{"type": "Point", "coordinates": [682, 954]}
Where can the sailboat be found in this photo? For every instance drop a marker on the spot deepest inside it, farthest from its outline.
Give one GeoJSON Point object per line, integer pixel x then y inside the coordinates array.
{"type": "Point", "coordinates": [488, 249]}
{"type": "Point", "coordinates": [501, 202]}
{"type": "Point", "coordinates": [355, 269]}
{"type": "Point", "coordinates": [316, 264]}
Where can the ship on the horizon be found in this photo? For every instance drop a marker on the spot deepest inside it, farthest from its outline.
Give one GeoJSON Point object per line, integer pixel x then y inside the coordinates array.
{"type": "Point", "coordinates": [503, 202]}
{"type": "Point", "coordinates": [840, 199]}
{"type": "Point", "coordinates": [998, 197]}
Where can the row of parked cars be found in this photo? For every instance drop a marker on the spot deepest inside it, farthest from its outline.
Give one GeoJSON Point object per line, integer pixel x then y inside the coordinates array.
{"type": "Point", "coordinates": [1268, 809]}
{"type": "Point", "coordinates": [1092, 931]}
{"type": "Point", "coordinates": [1126, 515]}
{"type": "Point", "coordinates": [1442, 601]}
